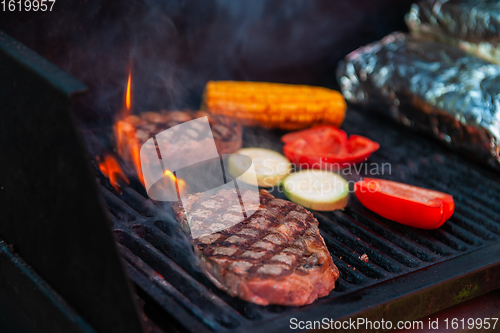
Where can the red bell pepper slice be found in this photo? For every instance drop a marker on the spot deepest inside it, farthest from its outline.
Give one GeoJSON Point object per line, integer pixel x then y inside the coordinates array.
{"type": "Point", "coordinates": [317, 131]}
{"type": "Point", "coordinates": [411, 205]}
{"type": "Point", "coordinates": [326, 146]}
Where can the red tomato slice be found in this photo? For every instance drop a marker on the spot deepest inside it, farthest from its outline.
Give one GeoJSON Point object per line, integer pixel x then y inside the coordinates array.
{"type": "Point", "coordinates": [414, 206]}
{"type": "Point", "coordinates": [322, 130]}
{"type": "Point", "coordinates": [325, 146]}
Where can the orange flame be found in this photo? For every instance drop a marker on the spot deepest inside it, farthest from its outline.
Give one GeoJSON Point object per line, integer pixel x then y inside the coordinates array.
{"type": "Point", "coordinates": [128, 94]}
{"type": "Point", "coordinates": [181, 184]}
{"type": "Point", "coordinates": [127, 144]}
{"type": "Point", "coordinates": [110, 169]}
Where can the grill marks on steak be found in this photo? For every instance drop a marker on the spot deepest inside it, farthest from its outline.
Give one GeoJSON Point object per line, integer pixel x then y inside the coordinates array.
{"type": "Point", "coordinates": [207, 214]}
{"type": "Point", "coordinates": [276, 256]}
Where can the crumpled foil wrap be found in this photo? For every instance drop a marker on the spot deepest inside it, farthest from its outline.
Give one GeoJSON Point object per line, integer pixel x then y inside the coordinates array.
{"type": "Point", "coordinates": [472, 25]}
{"type": "Point", "coordinates": [431, 87]}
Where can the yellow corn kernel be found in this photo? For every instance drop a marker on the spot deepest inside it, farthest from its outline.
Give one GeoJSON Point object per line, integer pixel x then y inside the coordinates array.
{"type": "Point", "coordinates": [275, 105]}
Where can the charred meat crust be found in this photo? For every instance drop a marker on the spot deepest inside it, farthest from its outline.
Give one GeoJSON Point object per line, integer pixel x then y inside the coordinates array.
{"type": "Point", "coordinates": [276, 256]}
{"type": "Point", "coordinates": [148, 124]}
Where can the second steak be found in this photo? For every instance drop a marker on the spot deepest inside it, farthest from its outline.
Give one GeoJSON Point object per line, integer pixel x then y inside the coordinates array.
{"type": "Point", "coordinates": [276, 256]}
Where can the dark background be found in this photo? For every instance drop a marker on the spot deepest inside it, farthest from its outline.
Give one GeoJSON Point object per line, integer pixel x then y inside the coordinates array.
{"type": "Point", "coordinates": [174, 47]}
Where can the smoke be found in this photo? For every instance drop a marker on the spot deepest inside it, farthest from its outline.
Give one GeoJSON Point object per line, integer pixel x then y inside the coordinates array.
{"type": "Point", "coordinates": [174, 47]}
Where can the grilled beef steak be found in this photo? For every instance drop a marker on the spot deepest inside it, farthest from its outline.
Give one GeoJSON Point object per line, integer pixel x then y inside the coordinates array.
{"type": "Point", "coordinates": [147, 124]}
{"type": "Point", "coordinates": [276, 256]}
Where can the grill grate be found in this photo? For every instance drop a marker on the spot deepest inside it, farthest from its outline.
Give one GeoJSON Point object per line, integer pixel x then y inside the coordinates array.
{"type": "Point", "coordinates": [156, 257]}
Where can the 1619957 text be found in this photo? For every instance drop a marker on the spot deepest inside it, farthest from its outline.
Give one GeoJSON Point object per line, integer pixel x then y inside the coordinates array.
{"type": "Point", "coordinates": [27, 5]}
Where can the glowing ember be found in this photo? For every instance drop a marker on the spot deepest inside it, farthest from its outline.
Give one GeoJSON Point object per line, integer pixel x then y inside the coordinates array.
{"type": "Point", "coordinates": [110, 169]}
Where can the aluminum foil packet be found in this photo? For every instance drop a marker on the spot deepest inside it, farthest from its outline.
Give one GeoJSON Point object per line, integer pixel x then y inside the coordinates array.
{"type": "Point", "coordinates": [472, 25]}
{"type": "Point", "coordinates": [431, 87]}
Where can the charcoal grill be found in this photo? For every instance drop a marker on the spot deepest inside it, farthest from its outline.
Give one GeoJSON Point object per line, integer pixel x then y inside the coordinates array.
{"type": "Point", "coordinates": [410, 274]}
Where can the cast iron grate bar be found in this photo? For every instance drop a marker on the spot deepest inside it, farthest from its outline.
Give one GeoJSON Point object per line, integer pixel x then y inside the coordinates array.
{"type": "Point", "coordinates": [213, 311]}
{"type": "Point", "coordinates": [165, 295]}
{"type": "Point", "coordinates": [462, 234]}
{"type": "Point", "coordinates": [475, 228]}
{"type": "Point", "coordinates": [351, 257]}
{"type": "Point", "coordinates": [420, 238]}
{"type": "Point", "coordinates": [402, 238]}
{"type": "Point", "coordinates": [358, 244]}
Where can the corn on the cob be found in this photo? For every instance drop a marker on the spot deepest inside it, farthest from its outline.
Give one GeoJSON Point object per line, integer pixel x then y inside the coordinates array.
{"type": "Point", "coordinates": [275, 105]}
